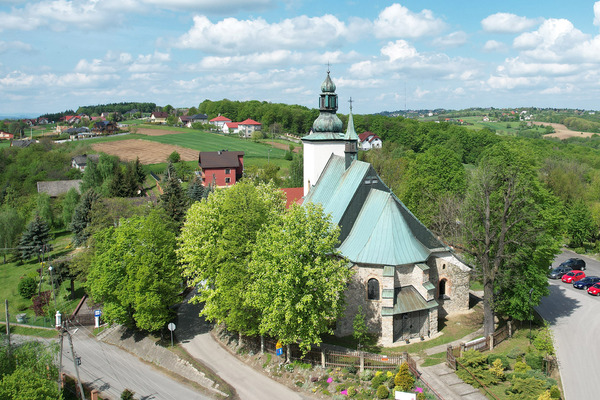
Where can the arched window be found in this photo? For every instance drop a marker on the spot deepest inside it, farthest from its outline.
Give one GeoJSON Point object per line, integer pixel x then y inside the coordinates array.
{"type": "Point", "coordinates": [373, 289]}
{"type": "Point", "coordinates": [443, 289]}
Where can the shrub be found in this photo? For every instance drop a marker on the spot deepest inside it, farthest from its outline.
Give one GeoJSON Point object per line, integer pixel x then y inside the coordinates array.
{"type": "Point", "coordinates": [520, 366]}
{"type": "Point", "coordinates": [493, 357]}
{"type": "Point", "coordinates": [475, 363]}
{"type": "Point", "coordinates": [515, 353]}
{"type": "Point", "coordinates": [378, 380]}
{"type": "Point", "coordinates": [545, 396]}
{"type": "Point", "coordinates": [27, 287]}
{"type": "Point", "coordinates": [367, 375]}
{"type": "Point", "coordinates": [543, 341]}
{"type": "Point", "coordinates": [352, 369]}
{"type": "Point", "coordinates": [528, 388]}
{"type": "Point", "coordinates": [40, 303]}
{"type": "Point", "coordinates": [351, 391]}
{"type": "Point", "coordinates": [497, 369]}
{"type": "Point", "coordinates": [382, 392]}
{"type": "Point", "coordinates": [127, 394]}
{"type": "Point", "coordinates": [534, 360]}
{"type": "Point", "coordinates": [404, 378]}
{"type": "Point", "coordinates": [554, 392]}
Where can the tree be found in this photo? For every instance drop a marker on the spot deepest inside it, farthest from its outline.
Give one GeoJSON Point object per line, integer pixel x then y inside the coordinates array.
{"type": "Point", "coordinates": [196, 190]}
{"type": "Point", "coordinates": [510, 224]}
{"type": "Point", "coordinates": [44, 209]}
{"type": "Point", "coordinates": [297, 278]}
{"type": "Point", "coordinates": [35, 239]}
{"type": "Point", "coordinates": [68, 205]}
{"type": "Point", "coordinates": [140, 174]}
{"type": "Point", "coordinates": [215, 247]}
{"type": "Point", "coordinates": [174, 157]}
{"type": "Point", "coordinates": [296, 178]}
{"type": "Point", "coordinates": [81, 216]}
{"type": "Point", "coordinates": [580, 224]}
{"type": "Point", "coordinates": [11, 225]}
{"type": "Point", "coordinates": [359, 326]}
{"type": "Point", "coordinates": [173, 199]}
{"type": "Point", "coordinates": [138, 289]}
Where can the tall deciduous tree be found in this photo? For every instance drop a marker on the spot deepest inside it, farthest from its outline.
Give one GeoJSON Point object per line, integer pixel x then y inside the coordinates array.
{"type": "Point", "coordinates": [68, 206]}
{"type": "Point", "coordinates": [35, 239]}
{"type": "Point", "coordinates": [134, 272]}
{"type": "Point", "coordinates": [215, 246]}
{"type": "Point", "coordinates": [11, 225]}
{"type": "Point", "coordinates": [580, 227]}
{"type": "Point", "coordinates": [510, 224]}
{"type": "Point", "coordinates": [297, 279]}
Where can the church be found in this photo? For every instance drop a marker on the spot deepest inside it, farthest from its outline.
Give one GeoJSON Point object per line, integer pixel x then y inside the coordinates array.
{"type": "Point", "coordinates": [404, 279]}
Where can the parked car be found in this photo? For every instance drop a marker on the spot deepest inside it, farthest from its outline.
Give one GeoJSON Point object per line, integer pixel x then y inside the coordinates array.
{"type": "Point", "coordinates": [574, 263]}
{"type": "Point", "coordinates": [573, 276]}
{"type": "Point", "coordinates": [594, 290]}
{"type": "Point", "coordinates": [558, 272]}
{"type": "Point", "coordinates": [586, 282]}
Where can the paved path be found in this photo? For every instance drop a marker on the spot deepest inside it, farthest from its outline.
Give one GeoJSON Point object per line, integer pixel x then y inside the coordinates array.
{"type": "Point", "coordinates": [573, 316]}
{"type": "Point", "coordinates": [194, 335]}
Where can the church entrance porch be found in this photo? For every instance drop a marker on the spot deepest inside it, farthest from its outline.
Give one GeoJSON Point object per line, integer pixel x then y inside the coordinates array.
{"type": "Point", "coordinates": [411, 325]}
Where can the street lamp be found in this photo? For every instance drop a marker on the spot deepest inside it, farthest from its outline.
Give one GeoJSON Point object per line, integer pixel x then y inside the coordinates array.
{"type": "Point", "coordinates": [52, 282]}
{"type": "Point", "coordinates": [530, 292]}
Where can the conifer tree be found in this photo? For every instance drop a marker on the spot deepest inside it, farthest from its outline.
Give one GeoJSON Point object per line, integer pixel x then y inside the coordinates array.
{"type": "Point", "coordinates": [82, 216]}
{"type": "Point", "coordinates": [173, 199]}
{"type": "Point", "coordinates": [36, 238]}
{"type": "Point", "coordinates": [197, 191]}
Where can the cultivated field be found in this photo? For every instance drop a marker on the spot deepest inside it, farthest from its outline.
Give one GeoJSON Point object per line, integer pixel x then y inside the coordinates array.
{"type": "Point", "coordinates": [562, 132]}
{"type": "Point", "coordinates": [157, 132]}
{"type": "Point", "coordinates": [148, 152]}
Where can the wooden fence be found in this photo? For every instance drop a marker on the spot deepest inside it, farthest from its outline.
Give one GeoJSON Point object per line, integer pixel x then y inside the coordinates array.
{"type": "Point", "coordinates": [481, 344]}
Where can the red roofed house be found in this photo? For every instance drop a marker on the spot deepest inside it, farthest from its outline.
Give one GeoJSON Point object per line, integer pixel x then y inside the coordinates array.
{"type": "Point", "coordinates": [221, 168]}
{"type": "Point", "coordinates": [219, 121]}
{"type": "Point", "coordinates": [231, 127]}
{"type": "Point", "coordinates": [248, 126]}
{"type": "Point", "coordinates": [159, 117]}
{"type": "Point", "coordinates": [6, 135]}
{"type": "Point", "coordinates": [369, 140]}
{"type": "Point", "coordinates": [293, 195]}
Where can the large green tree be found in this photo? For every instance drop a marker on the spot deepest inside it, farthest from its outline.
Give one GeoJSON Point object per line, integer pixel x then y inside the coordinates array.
{"type": "Point", "coordinates": [69, 203]}
{"type": "Point", "coordinates": [580, 224]}
{"type": "Point", "coordinates": [510, 224]}
{"type": "Point", "coordinates": [297, 278]}
{"type": "Point", "coordinates": [82, 216]}
{"type": "Point", "coordinates": [134, 272]}
{"type": "Point", "coordinates": [35, 239]}
{"type": "Point", "coordinates": [215, 244]}
{"type": "Point", "coordinates": [11, 225]}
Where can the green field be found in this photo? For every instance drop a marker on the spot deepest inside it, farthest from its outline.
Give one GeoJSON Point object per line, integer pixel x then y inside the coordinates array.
{"type": "Point", "coordinates": [502, 128]}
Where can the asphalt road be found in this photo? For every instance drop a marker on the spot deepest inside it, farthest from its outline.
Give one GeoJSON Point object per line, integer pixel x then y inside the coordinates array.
{"type": "Point", "coordinates": [575, 320]}
{"type": "Point", "coordinates": [112, 370]}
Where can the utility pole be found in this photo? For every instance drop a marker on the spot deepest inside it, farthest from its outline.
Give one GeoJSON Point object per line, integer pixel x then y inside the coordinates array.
{"type": "Point", "coordinates": [7, 322]}
{"type": "Point", "coordinates": [75, 364]}
{"type": "Point", "coordinates": [60, 360]}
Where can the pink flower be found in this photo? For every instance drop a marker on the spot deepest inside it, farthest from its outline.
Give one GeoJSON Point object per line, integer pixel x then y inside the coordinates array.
{"type": "Point", "coordinates": [329, 380]}
{"type": "Point", "coordinates": [344, 392]}
{"type": "Point", "coordinates": [419, 390]}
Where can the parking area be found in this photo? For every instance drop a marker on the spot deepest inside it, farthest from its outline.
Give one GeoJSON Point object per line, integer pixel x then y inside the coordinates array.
{"type": "Point", "coordinates": [575, 320]}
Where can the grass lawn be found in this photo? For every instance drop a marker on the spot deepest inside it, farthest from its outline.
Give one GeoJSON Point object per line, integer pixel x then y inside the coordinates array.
{"type": "Point", "coordinates": [12, 272]}
{"type": "Point", "coordinates": [20, 330]}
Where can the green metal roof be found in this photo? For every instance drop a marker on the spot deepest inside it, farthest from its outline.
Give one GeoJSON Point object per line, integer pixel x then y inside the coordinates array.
{"type": "Point", "coordinates": [381, 230]}
{"type": "Point", "coordinates": [409, 300]}
{"type": "Point", "coordinates": [350, 131]}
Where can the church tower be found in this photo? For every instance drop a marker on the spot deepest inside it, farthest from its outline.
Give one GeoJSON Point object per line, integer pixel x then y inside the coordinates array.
{"type": "Point", "coordinates": [327, 136]}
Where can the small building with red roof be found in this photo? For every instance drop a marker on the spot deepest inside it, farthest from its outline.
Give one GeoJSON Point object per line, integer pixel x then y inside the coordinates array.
{"type": "Point", "coordinates": [221, 168]}
{"type": "Point", "coordinates": [369, 140]}
{"type": "Point", "coordinates": [248, 126]}
{"type": "Point", "coordinates": [219, 122]}
{"type": "Point", "coordinates": [6, 135]}
{"type": "Point", "coordinates": [231, 127]}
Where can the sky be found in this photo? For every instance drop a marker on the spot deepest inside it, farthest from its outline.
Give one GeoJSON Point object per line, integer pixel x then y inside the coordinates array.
{"type": "Point", "coordinates": [59, 54]}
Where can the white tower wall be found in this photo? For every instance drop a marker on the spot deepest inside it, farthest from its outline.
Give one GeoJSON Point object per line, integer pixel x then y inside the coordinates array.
{"type": "Point", "coordinates": [316, 155]}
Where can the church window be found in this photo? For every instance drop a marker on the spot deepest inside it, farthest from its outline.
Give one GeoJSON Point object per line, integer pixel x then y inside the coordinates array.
{"type": "Point", "coordinates": [373, 289]}
{"type": "Point", "coordinates": [443, 289]}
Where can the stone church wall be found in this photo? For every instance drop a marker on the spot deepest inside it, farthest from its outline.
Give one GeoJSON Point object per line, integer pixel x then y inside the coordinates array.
{"type": "Point", "coordinates": [457, 278]}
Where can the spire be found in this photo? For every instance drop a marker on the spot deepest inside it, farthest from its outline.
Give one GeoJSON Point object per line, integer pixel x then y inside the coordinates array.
{"type": "Point", "coordinates": [351, 139]}
{"type": "Point", "coordinates": [350, 131]}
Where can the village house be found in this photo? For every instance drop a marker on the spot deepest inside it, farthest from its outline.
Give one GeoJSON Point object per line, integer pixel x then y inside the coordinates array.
{"type": "Point", "coordinates": [221, 168]}
{"type": "Point", "coordinates": [159, 117]}
{"type": "Point", "coordinates": [219, 122]}
{"type": "Point", "coordinates": [405, 278]}
{"type": "Point", "coordinates": [369, 140]}
{"type": "Point", "coordinates": [80, 162]}
{"type": "Point", "coordinates": [6, 135]}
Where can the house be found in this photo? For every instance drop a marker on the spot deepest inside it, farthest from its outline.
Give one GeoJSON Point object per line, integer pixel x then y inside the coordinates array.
{"type": "Point", "coordinates": [6, 135]}
{"type": "Point", "coordinates": [22, 143]}
{"type": "Point", "coordinates": [219, 122]}
{"type": "Point", "coordinates": [105, 127]}
{"type": "Point", "coordinates": [185, 121]}
{"type": "Point", "coordinates": [56, 188]}
{"type": "Point", "coordinates": [248, 126]}
{"type": "Point", "coordinates": [29, 122]}
{"type": "Point", "coordinates": [231, 128]}
{"type": "Point", "coordinates": [486, 118]}
{"type": "Point", "coordinates": [405, 279]}
{"type": "Point", "coordinates": [201, 118]}
{"type": "Point", "coordinates": [159, 117]}
{"type": "Point", "coordinates": [80, 162]}
{"type": "Point", "coordinates": [369, 140]}
{"type": "Point", "coordinates": [293, 196]}
{"type": "Point", "coordinates": [42, 121]}
{"type": "Point", "coordinates": [71, 119]}
{"type": "Point", "coordinates": [221, 168]}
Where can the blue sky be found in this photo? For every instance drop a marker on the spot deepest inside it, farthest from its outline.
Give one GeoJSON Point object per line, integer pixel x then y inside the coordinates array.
{"type": "Point", "coordinates": [60, 54]}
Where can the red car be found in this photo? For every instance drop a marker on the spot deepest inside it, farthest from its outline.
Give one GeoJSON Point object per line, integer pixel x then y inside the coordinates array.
{"type": "Point", "coordinates": [573, 276]}
{"type": "Point", "coordinates": [594, 290]}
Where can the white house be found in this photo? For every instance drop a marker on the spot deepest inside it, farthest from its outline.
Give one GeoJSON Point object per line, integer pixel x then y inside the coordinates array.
{"type": "Point", "coordinates": [369, 140]}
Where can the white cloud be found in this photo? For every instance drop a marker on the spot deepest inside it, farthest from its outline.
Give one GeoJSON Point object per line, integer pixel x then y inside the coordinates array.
{"type": "Point", "coordinates": [454, 39]}
{"type": "Point", "coordinates": [233, 36]}
{"type": "Point", "coordinates": [553, 41]}
{"type": "Point", "coordinates": [597, 13]}
{"type": "Point", "coordinates": [21, 80]}
{"type": "Point", "coordinates": [507, 23]}
{"type": "Point", "coordinates": [218, 6]}
{"type": "Point", "coordinates": [494, 46]}
{"type": "Point", "coordinates": [505, 82]}
{"type": "Point", "coordinates": [399, 50]}
{"type": "Point", "coordinates": [397, 21]}
{"type": "Point", "coordinates": [16, 45]}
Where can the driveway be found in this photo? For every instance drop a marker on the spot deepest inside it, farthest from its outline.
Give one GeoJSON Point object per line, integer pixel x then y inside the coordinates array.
{"type": "Point", "coordinates": [193, 333]}
{"type": "Point", "coordinates": [573, 316]}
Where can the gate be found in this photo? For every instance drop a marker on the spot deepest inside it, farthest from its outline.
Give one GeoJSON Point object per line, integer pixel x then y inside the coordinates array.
{"type": "Point", "coordinates": [450, 358]}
